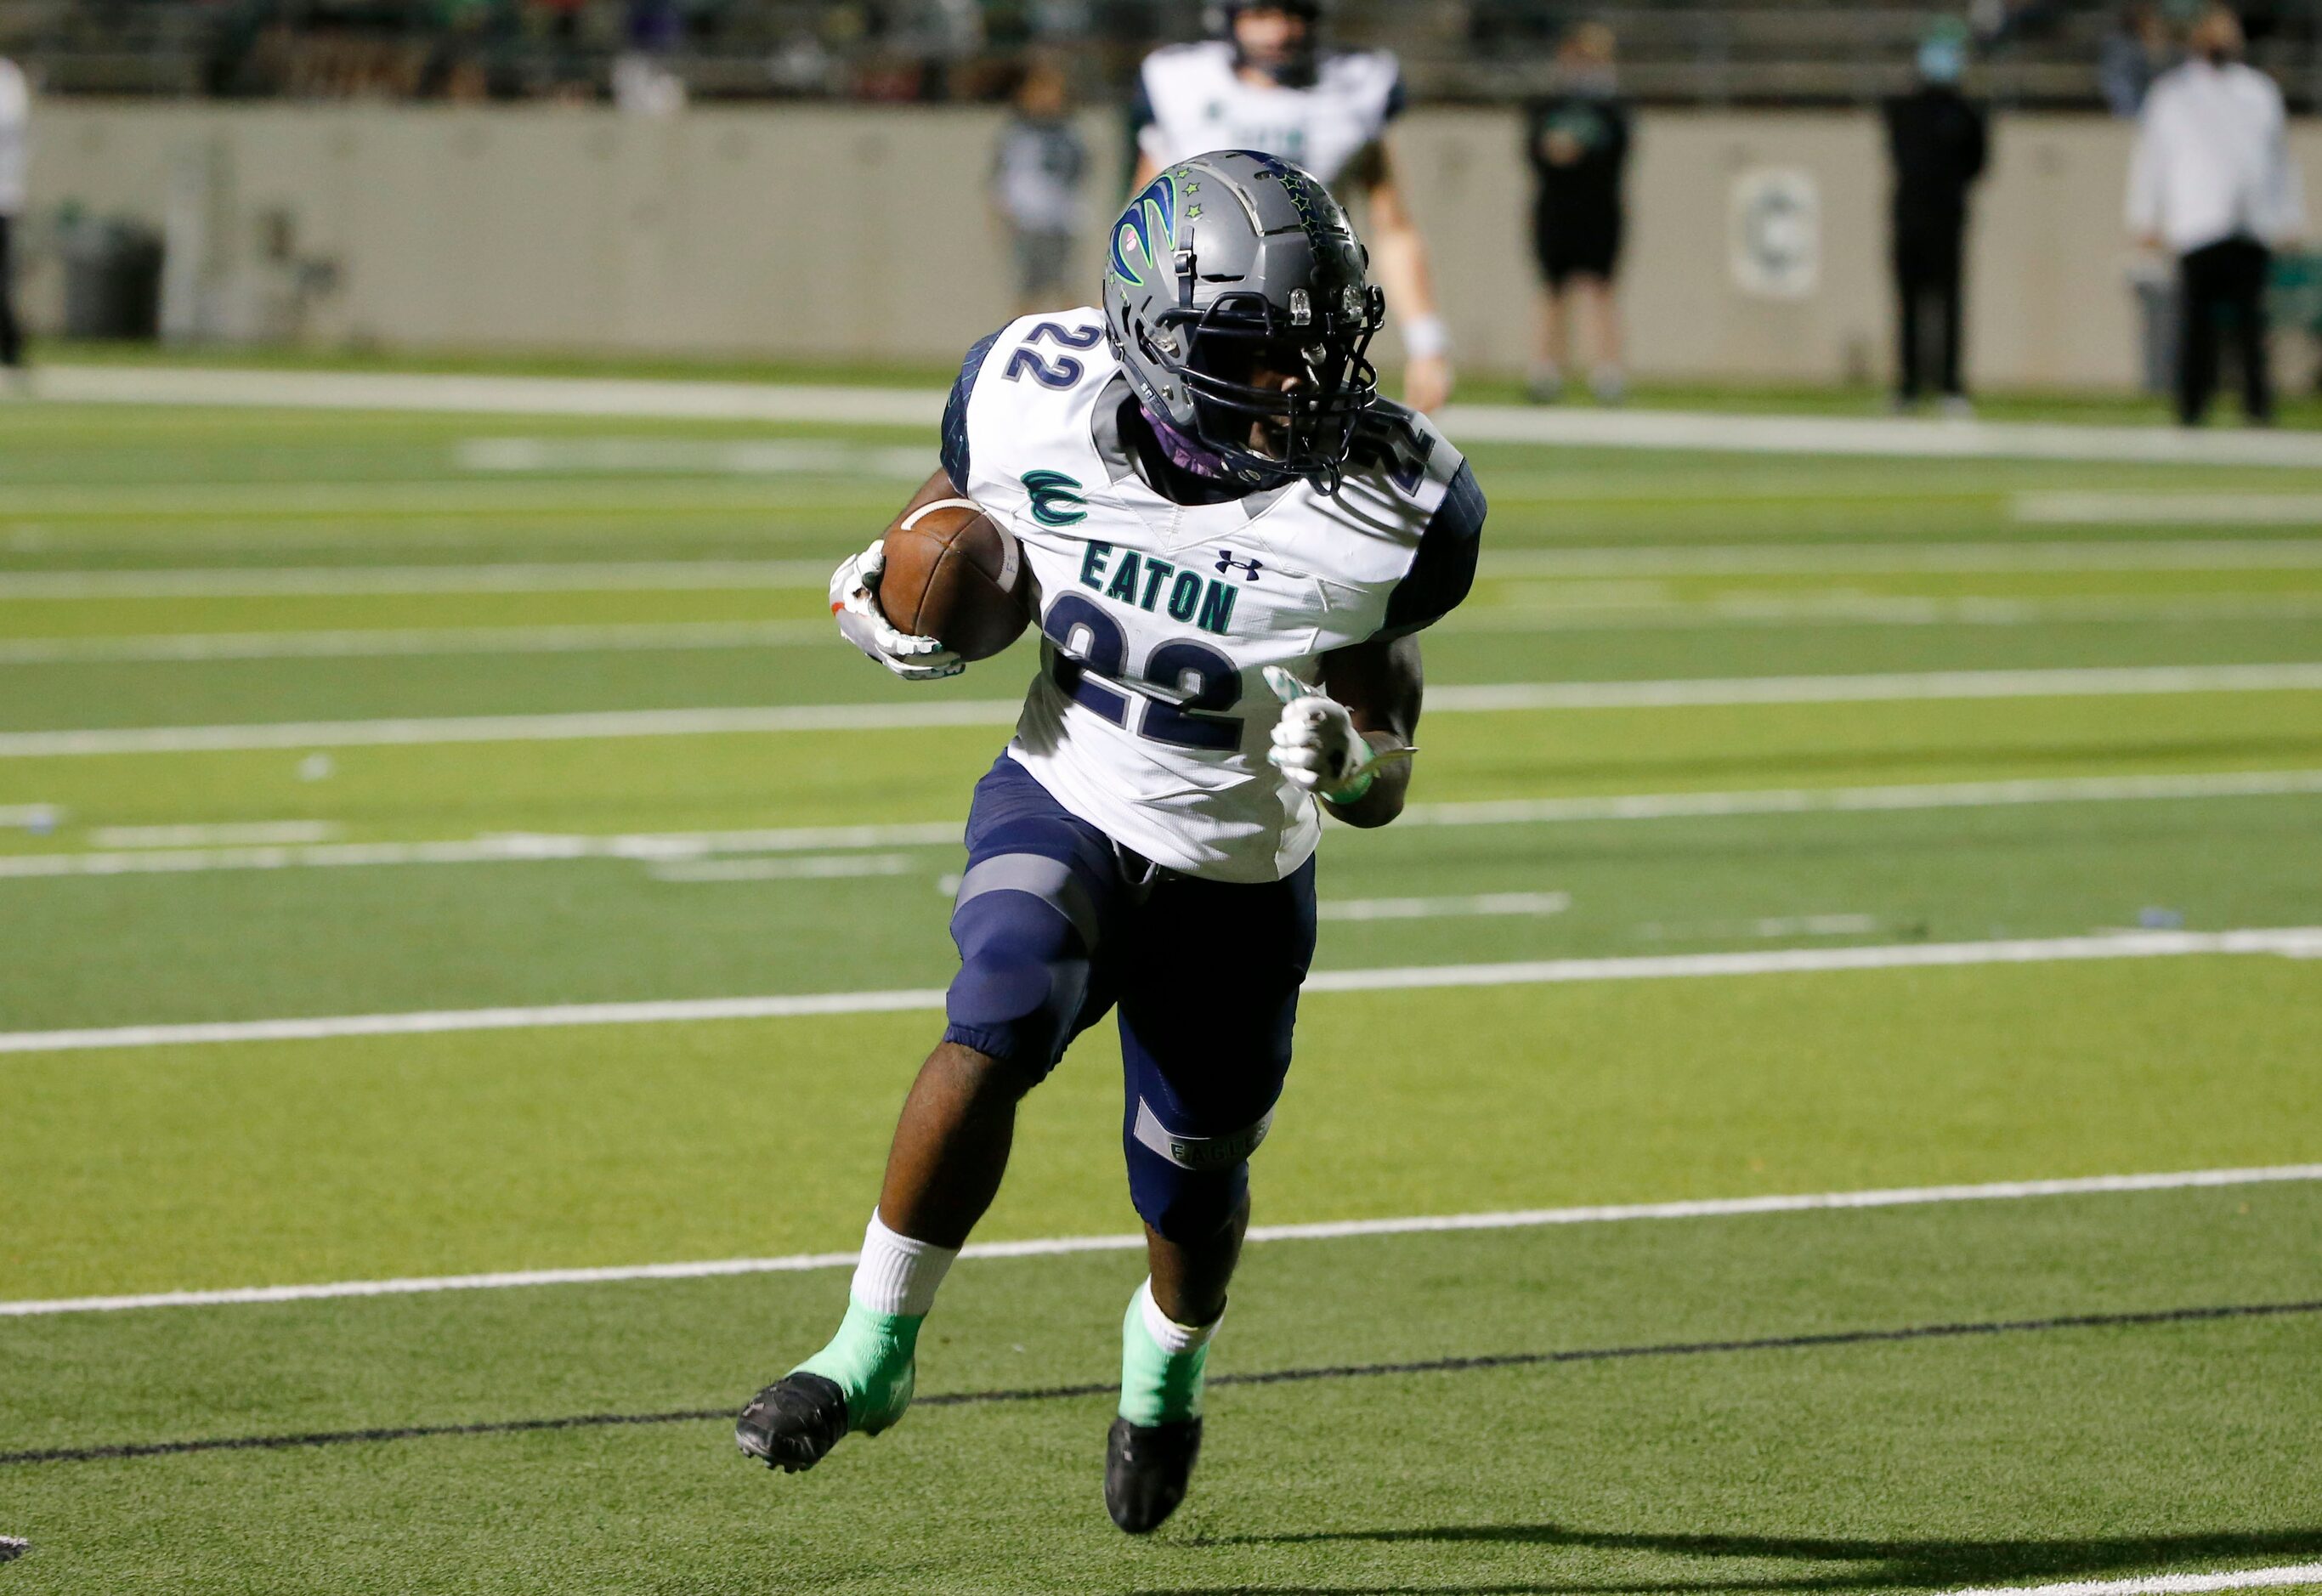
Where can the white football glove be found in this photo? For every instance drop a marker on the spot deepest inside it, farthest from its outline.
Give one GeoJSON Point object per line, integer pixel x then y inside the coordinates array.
{"type": "Point", "coordinates": [1316, 746]}
{"type": "Point", "coordinates": [855, 600]}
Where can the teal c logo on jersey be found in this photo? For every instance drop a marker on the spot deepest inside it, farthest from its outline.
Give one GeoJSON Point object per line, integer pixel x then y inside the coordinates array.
{"type": "Point", "coordinates": [1056, 499]}
{"type": "Point", "coordinates": [1149, 228]}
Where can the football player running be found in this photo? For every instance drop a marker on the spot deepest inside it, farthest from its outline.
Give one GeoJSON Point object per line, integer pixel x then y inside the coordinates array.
{"type": "Point", "coordinates": [1236, 542]}
{"type": "Point", "coordinates": [1268, 85]}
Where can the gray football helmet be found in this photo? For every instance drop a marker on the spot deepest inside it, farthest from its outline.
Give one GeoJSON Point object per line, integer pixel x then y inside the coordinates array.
{"type": "Point", "coordinates": [1230, 263]}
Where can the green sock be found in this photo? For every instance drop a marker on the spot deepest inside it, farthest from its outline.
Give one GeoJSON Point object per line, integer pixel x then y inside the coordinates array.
{"type": "Point", "coordinates": [871, 1359]}
{"type": "Point", "coordinates": [1157, 1386]}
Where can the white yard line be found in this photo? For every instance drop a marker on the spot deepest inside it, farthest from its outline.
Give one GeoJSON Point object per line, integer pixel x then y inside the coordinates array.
{"type": "Point", "coordinates": [1811, 800]}
{"type": "Point", "coordinates": [1328, 1230]}
{"type": "Point", "coordinates": [1488, 904]}
{"type": "Point", "coordinates": [1880, 436]}
{"type": "Point", "coordinates": [323, 581]}
{"type": "Point", "coordinates": [1860, 609]}
{"type": "Point", "coordinates": [1909, 559]}
{"type": "Point", "coordinates": [862, 406]}
{"type": "Point", "coordinates": [511, 848]}
{"type": "Point", "coordinates": [2132, 681]}
{"type": "Point", "coordinates": [251, 833]}
{"type": "Point", "coordinates": [451, 394]}
{"type": "Point", "coordinates": [531, 848]}
{"type": "Point", "coordinates": [2169, 509]}
{"type": "Point", "coordinates": [171, 648]}
{"type": "Point", "coordinates": [686, 575]}
{"type": "Point", "coordinates": [811, 867]}
{"type": "Point", "coordinates": [177, 647]}
{"type": "Point", "coordinates": [732, 456]}
{"type": "Point", "coordinates": [2295, 943]}
{"type": "Point", "coordinates": [2165, 1585]}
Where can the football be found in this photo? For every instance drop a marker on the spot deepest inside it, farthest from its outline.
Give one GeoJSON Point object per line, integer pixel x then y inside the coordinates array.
{"type": "Point", "coordinates": [957, 576]}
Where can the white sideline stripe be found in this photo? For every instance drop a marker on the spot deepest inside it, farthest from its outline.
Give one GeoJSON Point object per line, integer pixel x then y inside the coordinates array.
{"type": "Point", "coordinates": [2169, 509]}
{"type": "Point", "coordinates": [2164, 1584]}
{"type": "Point", "coordinates": [441, 640]}
{"type": "Point", "coordinates": [522, 848]}
{"type": "Point", "coordinates": [2294, 942]}
{"type": "Point", "coordinates": [458, 394]}
{"type": "Point", "coordinates": [1904, 687]}
{"type": "Point", "coordinates": [1327, 1230]}
{"type": "Point", "coordinates": [1495, 423]}
{"type": "Point", "coordinates": [324, 581]}
{"type": "Point", "coordinates": [1882, 436]}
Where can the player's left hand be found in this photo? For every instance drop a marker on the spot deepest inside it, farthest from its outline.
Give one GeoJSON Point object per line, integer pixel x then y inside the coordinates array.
{"type": "Point", "coordinates": [1316, 746]}
{"type": "Point", "coordinates": [855, 601]}
{"type": "Point", "coordinates": [1427, 383]}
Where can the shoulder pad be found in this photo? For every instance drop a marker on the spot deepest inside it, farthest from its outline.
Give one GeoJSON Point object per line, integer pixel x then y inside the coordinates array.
{"type": "Point", "coordinates": [1398, 441]}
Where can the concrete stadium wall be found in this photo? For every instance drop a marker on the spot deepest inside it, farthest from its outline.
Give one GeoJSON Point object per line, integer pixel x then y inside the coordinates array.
{"type": "Point", "coordinates": [833, 232]}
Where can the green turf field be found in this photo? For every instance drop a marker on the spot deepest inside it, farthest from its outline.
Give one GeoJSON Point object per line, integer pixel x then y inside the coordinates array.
{"type": "Point", "coordinates": [304, 716]}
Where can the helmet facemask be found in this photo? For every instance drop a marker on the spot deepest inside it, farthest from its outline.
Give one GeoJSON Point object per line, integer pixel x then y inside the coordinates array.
{"type": "Point", "coordinates": [1277, 392]}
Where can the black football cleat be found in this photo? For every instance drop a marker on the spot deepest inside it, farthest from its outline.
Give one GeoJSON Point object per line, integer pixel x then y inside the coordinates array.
{"type": "Point", "coordinates": [790, 1424]}
{"type": "Point", "coordinates": [1146, 1469]}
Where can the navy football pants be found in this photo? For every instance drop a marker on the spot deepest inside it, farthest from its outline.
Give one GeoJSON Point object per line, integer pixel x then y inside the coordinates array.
{"type": "Point", "coordinates": [1055, 924]}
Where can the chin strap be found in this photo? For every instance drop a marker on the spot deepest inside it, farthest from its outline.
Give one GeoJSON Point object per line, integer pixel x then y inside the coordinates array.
{"type": "Point", "coordinates": [1185, 452]}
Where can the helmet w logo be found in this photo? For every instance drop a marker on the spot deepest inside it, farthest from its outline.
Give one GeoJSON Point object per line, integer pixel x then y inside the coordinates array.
{"type": "Point", "coordinates": [1148, 227]}
{"type": "Point", "coordinates": [1056, 499]}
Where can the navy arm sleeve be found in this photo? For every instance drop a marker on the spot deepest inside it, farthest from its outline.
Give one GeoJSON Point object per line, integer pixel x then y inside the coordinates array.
{"type": "Point", "coordinates": [1440, 578]}
{"type": "Point", "coordinates": [954, 422]}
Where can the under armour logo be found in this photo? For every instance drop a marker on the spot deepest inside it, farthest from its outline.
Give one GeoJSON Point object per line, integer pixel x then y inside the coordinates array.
{"type": "Point", "coordinates": [1228, 564]}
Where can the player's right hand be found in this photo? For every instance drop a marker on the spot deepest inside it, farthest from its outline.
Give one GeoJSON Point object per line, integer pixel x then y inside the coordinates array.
{"type": "Point", "coordinates": [855, 600]}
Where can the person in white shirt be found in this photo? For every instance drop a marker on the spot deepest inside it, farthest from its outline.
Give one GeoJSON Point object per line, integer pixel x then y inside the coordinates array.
{"type": "Point", "coordinates": [2212, 183]}
{"type": "Point", "coordinates": [1268, 86]}
{"type": "Point", "coordinates": [16, 112]}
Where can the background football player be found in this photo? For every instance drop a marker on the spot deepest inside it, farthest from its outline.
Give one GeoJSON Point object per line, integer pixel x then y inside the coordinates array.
{"type": "Point", "coordinates": [1268, 85]}
{"type": "Point", "coordinates": [1236, 542]}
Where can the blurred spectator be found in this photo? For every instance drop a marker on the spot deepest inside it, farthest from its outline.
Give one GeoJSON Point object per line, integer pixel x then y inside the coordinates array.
{"type": "Point", "coordinates": [1578, 140]}
{"type": "Point", "coordinates": [1269, 84]}
{"type": "Point", "coordinates": [16, 115]}
{"type": "Point", "coordinates": [2138, 49]}
{"type": "Point", "coordinates": [1036, 174]}
{"type": "Point", "coordinates": [2212, 183]}
{"type": "Point", "coordinates": [1937, 142]}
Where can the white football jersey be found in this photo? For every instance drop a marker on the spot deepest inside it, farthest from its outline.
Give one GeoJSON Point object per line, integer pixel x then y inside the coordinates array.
{"type": "Point", "coordinates": [1191, 101]}
{"type": "Point", "coordinates": [1191, 600]}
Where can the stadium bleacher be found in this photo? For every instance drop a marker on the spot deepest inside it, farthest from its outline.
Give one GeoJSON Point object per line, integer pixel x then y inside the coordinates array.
{"type": "Point", "coordinates": [2037, 53]}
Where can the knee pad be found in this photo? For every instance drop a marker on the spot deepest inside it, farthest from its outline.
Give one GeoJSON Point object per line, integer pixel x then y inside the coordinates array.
{"type": "Point", "coordinates": [1189, 1188]}
{"type": "Point", "coordinates": [1023, 976]}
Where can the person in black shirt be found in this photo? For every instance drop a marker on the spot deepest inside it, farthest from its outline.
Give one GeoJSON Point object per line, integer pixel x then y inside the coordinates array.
{"type": "Point", "coordinates": [1937, 140]}
{"type": "Point", "coordinates": [1578, 141]}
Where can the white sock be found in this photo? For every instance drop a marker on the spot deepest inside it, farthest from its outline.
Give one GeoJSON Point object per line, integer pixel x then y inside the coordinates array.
{"type": "Point", "coordinates": [897, 1275]}
{"type": "Point", "coordinates": [1167, 1334]}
